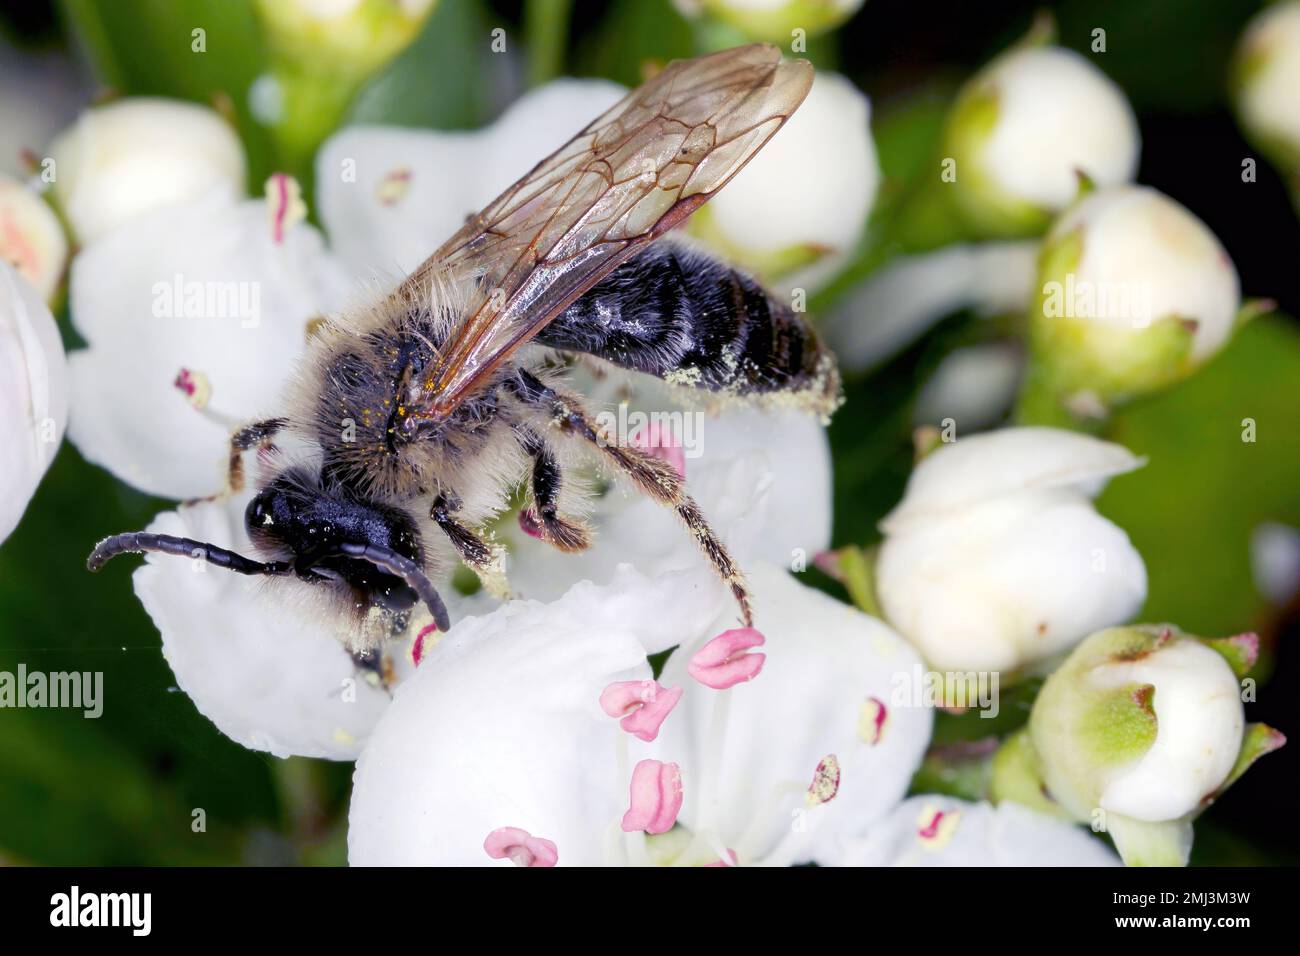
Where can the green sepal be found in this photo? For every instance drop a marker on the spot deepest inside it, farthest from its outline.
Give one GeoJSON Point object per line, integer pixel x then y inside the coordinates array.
{"type": "Point", "coordinates": [1015, 776]}
{"type": "Point", "coordinates": [855, 568]}
{"type": "Point", "coordinates": [1142, 843]}
{"type": "Point", "coordinates": [1241, 651]}
{"type": "Point", "coordinates": [1256, 741]}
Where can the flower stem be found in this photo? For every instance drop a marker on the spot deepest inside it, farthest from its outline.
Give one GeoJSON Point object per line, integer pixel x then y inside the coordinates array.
{"type": "Point", "coordinates": [546, 29]}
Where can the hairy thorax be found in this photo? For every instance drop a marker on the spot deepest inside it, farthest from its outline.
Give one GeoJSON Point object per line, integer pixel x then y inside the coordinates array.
{"type": "Point", "coordinates": [358, 407]}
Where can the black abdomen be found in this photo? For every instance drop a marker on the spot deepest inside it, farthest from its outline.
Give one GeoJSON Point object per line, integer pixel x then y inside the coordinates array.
{"type": "Point", "coordinates": [681, 315]}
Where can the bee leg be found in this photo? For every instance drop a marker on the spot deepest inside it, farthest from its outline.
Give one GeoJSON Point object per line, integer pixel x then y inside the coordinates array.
{"type": "Point", "coordinates": [560, 532]}
{"type": "Point", "coordinates": [483, 558]}
{"type": "Point", "coordinates": [258, 433]}
{"type": "Point", "coordinates": [653, 476]}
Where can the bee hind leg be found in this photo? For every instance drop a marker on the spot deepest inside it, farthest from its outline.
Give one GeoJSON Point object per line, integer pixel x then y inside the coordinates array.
{"type": "Point", "coordinates": [653, 476]}
{"type": "Point", "coordinates": [560, 532]}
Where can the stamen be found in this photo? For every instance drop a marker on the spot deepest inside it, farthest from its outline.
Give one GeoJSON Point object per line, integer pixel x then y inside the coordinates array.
{"type": "Point", "coordinates": [661, 442]}
{"type": "Point", "coordinates": [656, 797]}
{"type": "Point", "coordinates": [825, 783]}
{"type": "Point", "coordinates": [419, 647]}
{"type": "Point", "coordinates": [195, 386]}
{"type": "Point", "coordinates": [284, 196]}
{"type": "Point", "coordinates": [723, 663]}
{"type": "Point", "coordinates": [643, 705]}
{"type": "Point", "coordinates": [935, 827]}
{"type": "Point", "coordinates": [393, 186]}
{"type": "Point", "coordinates": [872, 720]}
{"type": "Point", "coordinates": [530, 524]}
{"type": "Point", "coordinates": [520, 847]}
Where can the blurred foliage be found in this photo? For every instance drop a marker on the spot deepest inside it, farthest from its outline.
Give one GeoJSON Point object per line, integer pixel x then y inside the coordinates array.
{"type": "Point", "coordinates": [1191, 509]}
{"type": "Point", "coordinates": [124, 788]}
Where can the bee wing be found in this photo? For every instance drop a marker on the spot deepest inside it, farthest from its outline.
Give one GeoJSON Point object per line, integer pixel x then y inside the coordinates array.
{"type": "Point", "coordinates": [629, 176]}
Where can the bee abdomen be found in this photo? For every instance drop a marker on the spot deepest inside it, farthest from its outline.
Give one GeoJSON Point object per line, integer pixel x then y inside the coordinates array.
{"type": "Point", "coordinates": [688, 318]}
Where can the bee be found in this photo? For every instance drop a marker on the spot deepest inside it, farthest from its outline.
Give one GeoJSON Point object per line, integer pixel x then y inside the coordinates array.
{"type": "Point", "coordinates": [424, 411]}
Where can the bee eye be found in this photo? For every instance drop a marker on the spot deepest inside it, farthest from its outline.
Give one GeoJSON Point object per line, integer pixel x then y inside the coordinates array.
{"type": "Point", "coordinates": [258, 513]}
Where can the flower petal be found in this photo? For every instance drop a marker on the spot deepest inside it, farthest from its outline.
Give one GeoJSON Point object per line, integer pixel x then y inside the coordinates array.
{"type": "Point", "coordinates": [933, 830]}
{"type": "Point", "coordinates": [255, 655]}
{"type": "Point", "coordinates": [135, 155]}
{"type": "Point", "coordinates": [825, 662]}
{"type": "Point", "coordinates": [33, 394]}
{"type": "Point", "coordinates": [201, 287]}
{"type": "Point", "coordinates": [446, 176]}
{"type": "Point", "coordinates": [807, 194]}
{"type": "Point", "coordinates": [1003, 462]}
{"type": "Point", "coordinates": [762, 479]}
{"type": "Point", "coordinates": [501, 725]}
{"type": "Point", "coordinates": [895, 305]}
{"type": "Point", "coordinates": [1010, 582]}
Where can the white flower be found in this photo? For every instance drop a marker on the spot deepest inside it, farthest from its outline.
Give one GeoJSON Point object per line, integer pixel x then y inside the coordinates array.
{"type": "Point", "coordinates": [389, 197]}
{"type": "Point", "coordinates": [1025, 127]}
{"type": "Point", "coordinates": [1134, 292]}
{"type": "Point", "coordinates": [194, 316]}
{"type": "Point", "coordinates": [996, 560]}
{"type": "Point", "coordinates": [256, 656]}
{"type": "Point", "coordinates": [33, 394]}
{"type": "Point", "coordinates": [800, 204]}
{"type": "Point", "coordinates": [973, 387]}
{"type": "Point", "coordinates": [1268, 77]}
{"type": "Point", "coordinates": [31, 238]}
{"type": "Point", "coordinates": [1198, 711]}
{"type": "Point", "coordinates": [896, 305]}
{"type": "Point", "coordinates": [502, 728]}
{"type": "Point", "coordinates": [798, 209]}
{"type": "Point", "coordinates": [1275, 561]}
{"type": "Point", "coordinates": [136, 155]}
{"type": "Point", "coordinates": [774, 20]}
{"type": "Point", "coordinates": [942, 831]}
{"type": "Point", "coordinates": [1140, 730]}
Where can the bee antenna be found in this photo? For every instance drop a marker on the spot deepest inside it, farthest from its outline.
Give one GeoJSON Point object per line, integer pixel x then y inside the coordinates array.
{"type": "Point", "coordinates": [403, 567]}
{"type": "Point", "coordinates": [139, 542]}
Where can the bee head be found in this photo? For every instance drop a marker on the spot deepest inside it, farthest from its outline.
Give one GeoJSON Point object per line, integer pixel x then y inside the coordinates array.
{"type": "Point", "coordinates": [270, 518]}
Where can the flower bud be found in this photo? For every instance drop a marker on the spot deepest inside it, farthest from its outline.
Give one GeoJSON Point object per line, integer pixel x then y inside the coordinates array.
{"type": "Point", "coordinates": [322, 52]}
{"type": "Point", "coordinates": [132, 156]}
{"type": "Point", "coordinates": [31, 238]}
{"type": "Point", "coordinates": [996, 559]}
{"type": "Point", "coordinates": [1134, 293]}
{"type": "Point", "coordinates": [774, 20]}
{"type": "Point", "coordinates": [353, 36]}
{"type": "Point", "coordinates": [1024, 128]}
{"type": "Point", "coordinates": [33, 394]}
{"type": "Point", "coordinates": [1266, 78]}
{"type": "Point", "coordinates": [1140, 729]}
{"type": "Point", "coordinates": [805, 198]}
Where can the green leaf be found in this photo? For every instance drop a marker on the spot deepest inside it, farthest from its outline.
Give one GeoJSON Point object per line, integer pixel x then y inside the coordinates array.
{"type": "Point", "coordinates": [146, 48]}
{"type": "Point", "coordinates": [1191, 511]}
{"type": "Point", "coordinates": [441, 81]}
